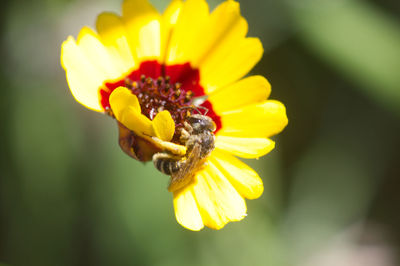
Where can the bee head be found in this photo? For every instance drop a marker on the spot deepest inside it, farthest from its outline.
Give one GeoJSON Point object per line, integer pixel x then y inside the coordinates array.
{"type": "Point", "coordinates": [200, 123]}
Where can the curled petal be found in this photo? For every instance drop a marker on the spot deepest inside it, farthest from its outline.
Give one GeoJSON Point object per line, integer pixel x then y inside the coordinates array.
{"type": "Point", "coordinates": [120, 99]}
{"type": "Point", "coordinates": [164, 126]}
{"type": "Point", "coordinates": [126, 109]}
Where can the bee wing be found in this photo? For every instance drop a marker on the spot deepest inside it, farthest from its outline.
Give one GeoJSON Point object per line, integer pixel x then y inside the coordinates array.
{"type": "Point", "coordinates": [187, 171]}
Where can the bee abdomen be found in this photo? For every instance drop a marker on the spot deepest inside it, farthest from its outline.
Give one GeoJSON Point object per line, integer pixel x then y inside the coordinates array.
{"type": "Point", "coordinates": [166, 164]}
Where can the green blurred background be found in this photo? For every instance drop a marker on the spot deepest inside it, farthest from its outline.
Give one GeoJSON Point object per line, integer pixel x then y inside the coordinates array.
{"type": "Point", "coordinates": [69, 196]}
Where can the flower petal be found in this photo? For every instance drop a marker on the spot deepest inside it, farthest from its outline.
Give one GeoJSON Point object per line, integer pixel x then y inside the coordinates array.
{"type": "Point", "coordinates": [192, 18]}
{"type": "Point", "coordinates": [226, 68]}
{"type": "Point", "coordinates": [142, 22]}
{"type": "Point", "coordinates": [244, 92]}
{"type": "Point", "coordinates": [113, 34]}
{"type": "Point", "coordinates": [120, 99]}
{"type": "Point", "coordinates": [245, 147]}
{"type": "Point", "coordinates": [257, 120]}
{"type": "Point", "coordinates": [245, 180]}
{"type": "Point", "coordinates": [137, 122]}
{"type": "Point", "coordinates": [164, 126]}
{"type": "Point", "coordinates": [217, 200]}
{"type": "Point", "coordinates": [224, 29]}
{"type": "Point", "coordinates": [83, 78]}
{"type": "Point", "coordinates": [169, 19]}
{"type": "Point", "coordinates": [89, 43]}
{"type": "Point", "coordinates": [126, 109]}
{"type": "Point", "coordinates": [186, 212]}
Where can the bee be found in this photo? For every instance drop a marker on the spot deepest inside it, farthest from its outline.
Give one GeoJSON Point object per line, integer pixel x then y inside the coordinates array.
{"type": "Point", "coordinates": [197, 135]}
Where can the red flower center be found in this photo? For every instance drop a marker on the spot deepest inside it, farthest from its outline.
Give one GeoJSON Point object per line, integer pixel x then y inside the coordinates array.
{"type": "Point", "coordinates": [164, 87]}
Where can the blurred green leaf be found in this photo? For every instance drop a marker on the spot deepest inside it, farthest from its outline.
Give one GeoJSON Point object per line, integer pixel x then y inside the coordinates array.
{"type": "Point", "coordinates": [358, 39]}
{"type": "Point", "coordinates": [335, 181]}
{"type": "Point", "coordinates": [44, 140]}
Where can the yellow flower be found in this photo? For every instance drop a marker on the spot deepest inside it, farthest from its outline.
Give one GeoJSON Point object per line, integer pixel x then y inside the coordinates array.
{"type": "Point", "coordinates": [152, 71]}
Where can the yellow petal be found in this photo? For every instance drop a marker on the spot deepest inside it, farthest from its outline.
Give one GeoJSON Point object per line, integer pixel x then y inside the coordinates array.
{"type": "Point", "coordinates": [217, 200]}
{"type": "Point", "coordinates": [186, 212]}
{"type": "Point", "coordinates": [257, 120]}
{"type": "Point", "coordinates": [120, 99]}
{"type": "Point", "coordinates": [137, 122]}
{"type": "Point", "coordinates": [245, 147]}
{"type": "Point", "coordinates": [169, 19]}
{"type": "Point", "coordinates": [245, 180]}
{"type": "Point", "coordinates": [223, 31]}
{"type": "Point", "coordinates": [89, 43]}
{"type": "Point", "coordinates": [244, 92]}
{"type": "Point", "coordinates": [126, 109]}
{"type": "Point", "coordinates": [113, 34]}
{"type": "Point", "coordinates": [142, 22]}
{"type": "Point", "coordinates": [164, 126]}
{"type": "Point", "coordinates": [192, 18]}
{"type": "Point", "coordinates": [230, 67]}
{"type": "Point", "coordinates": [84, 79]}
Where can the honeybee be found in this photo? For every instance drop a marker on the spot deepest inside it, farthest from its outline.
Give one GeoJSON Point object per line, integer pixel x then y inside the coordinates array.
{"type": "Point", "coordinates": [197, 135]}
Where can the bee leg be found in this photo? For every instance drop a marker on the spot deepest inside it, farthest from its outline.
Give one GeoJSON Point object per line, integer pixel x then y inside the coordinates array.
{"type": "Point", "coordinates": [166, 145]}
{"type": "Point", "coordinates": [184, 135]}
{"type": "Point", "coordinates": [188, 127]}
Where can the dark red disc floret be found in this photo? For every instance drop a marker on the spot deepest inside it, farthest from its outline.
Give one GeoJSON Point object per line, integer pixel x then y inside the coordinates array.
{"type": "Point", "coordinates": [163, 87]}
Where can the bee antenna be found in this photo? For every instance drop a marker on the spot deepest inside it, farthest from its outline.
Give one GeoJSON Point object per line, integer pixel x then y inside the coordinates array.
{"type": "Point", "coordinates": [204, 108]}
{"type": "Point", "coordinates": [197, 109]}
{"type": "Point", "coordinates": [191, 107]}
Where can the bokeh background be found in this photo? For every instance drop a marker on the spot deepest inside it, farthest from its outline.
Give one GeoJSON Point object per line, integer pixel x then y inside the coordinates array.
{"type": "Point", "coordinates": [69, 196]}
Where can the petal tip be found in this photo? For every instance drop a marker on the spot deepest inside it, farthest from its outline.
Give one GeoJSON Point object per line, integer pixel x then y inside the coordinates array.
{"type": "Point", "coordinates": [164, 125]}
{"type": "Point", "coordinates": [64, 46]}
